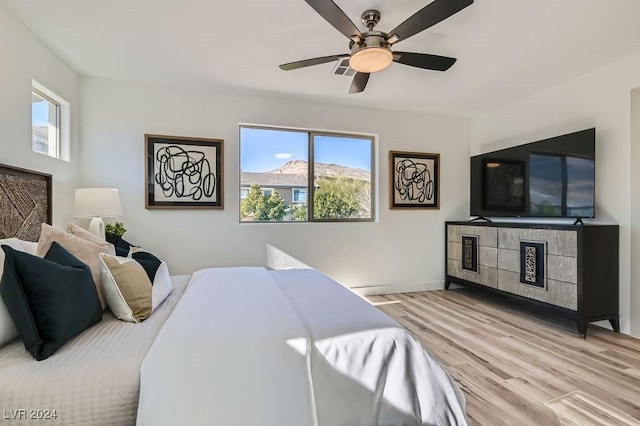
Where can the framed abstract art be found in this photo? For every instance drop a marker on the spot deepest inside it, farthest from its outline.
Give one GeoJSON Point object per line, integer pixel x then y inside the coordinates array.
{"type": "Point", "coordinates": [183, 172]}
{"type": "Point", "coordinates": [414, 180]}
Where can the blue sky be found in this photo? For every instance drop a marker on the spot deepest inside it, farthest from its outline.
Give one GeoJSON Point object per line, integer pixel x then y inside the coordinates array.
{"type": "Point", "coordinates": [40, 112]}
{"type": "Point", "coordinates": [263, 150]}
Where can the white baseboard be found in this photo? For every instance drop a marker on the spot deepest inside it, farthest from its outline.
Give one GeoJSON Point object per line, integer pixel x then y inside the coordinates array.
{"type": "Point", "coordinates": [398, 288]}
{"type": "Point", "coordinates": [625, 325]}
{"type": "Point", "coordinates": [634, 327]}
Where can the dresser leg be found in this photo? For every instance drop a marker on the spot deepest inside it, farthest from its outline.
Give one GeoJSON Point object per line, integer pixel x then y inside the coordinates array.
{"type": "Point", "coordinates": [446, 285]}
{"type": "Point", "coordinates": [615, 323]}
{"type": "Point", "coordinates": [582, 327]}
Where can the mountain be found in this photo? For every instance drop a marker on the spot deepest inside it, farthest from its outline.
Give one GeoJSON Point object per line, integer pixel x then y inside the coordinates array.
{"type": "Point", "coordinates": [300, 167]}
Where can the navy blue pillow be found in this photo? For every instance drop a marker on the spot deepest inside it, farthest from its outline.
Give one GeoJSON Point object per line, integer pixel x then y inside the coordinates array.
{"type": "Point", "coordinates": [50, 299]}
{"type": "Point", "coordinates": [122, 246]}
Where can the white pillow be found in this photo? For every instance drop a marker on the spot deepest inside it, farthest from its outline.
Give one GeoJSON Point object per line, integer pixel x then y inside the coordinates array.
{"type": "Point", "coordinates": [8, 330]}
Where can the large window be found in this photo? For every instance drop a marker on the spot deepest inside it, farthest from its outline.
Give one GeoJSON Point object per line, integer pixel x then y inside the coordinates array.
{"type": "Point", "coordinates": [294, 175]}
{"type": "Point", "coordinates": [49, 122]}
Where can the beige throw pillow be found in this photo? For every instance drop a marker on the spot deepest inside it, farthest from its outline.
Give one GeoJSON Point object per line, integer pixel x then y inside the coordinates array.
{"type": "Point", "coordinates": [84, 234]}
{"type": "Point", "coordinates": [127, 288]}
{"type": "Point", "coordinates": [85, 250]}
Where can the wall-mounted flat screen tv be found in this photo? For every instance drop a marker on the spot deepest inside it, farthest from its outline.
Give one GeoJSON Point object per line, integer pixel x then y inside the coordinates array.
{"type": "Point", "coordinates": [549, 178]}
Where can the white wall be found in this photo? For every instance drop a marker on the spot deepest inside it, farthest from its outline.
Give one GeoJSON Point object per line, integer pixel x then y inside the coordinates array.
{"type": "Point", "coordinates": [602, 100]}
{"type": "Point", "coordinates": [635, 212]}
{"type": "Point", "coordinates": [403, 250]}
{"type": "Point", "coordinates": [23, 57]}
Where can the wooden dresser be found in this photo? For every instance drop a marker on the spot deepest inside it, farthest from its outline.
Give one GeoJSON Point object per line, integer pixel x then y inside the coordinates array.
{"type": "Point", "coordinates": [571, 270]}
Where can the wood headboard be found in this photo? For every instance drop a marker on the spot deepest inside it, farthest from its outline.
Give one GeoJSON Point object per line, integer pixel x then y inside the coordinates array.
{"type": "Point", "coordinates": [25, 202]}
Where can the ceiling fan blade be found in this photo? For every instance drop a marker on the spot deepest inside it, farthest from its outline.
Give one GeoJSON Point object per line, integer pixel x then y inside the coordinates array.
{"type": "Point", "coordinates": [359, 82]}
{"type": "Point", "coordinates": [336, 17]}
{"type": "Point", "coordinates": [431, 14]}
{"type": "Point", "coordinates": [310, 62]}
{"type": "Point", "coordinates": [424, 60]}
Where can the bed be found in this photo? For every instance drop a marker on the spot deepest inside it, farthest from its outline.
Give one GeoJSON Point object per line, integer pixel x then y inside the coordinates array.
{"type": "Point", "coordinates": [237, 346]}
{"type": "Point", "coordinates": [298, 349]}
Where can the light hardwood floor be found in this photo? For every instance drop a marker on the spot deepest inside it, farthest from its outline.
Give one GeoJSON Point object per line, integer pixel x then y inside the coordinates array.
{"type": "Point", "coordinates": [516, 367]}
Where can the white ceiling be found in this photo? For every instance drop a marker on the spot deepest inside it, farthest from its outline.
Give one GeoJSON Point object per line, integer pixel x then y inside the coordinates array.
{"type": "Point", "coordinates": [506, 49]}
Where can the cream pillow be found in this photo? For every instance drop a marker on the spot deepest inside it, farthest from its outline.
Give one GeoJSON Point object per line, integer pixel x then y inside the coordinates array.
{"type": "Point", "coordinates": [8, 330]}
{"type": "Point", "coordinates": [85, 249]}
{"type": "Point", "coordinates": [127, 288]}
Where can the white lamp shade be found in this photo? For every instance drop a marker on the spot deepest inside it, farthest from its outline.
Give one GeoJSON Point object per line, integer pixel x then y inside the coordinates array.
{"type": "Point", "coordinates": [96, 202]}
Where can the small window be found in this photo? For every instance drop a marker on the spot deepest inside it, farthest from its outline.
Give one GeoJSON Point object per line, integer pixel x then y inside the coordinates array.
{"type": "Point", "coordinates": [299, 176]}
{"type": "Point", "coordinates": [300, 195]}
{"type": "Point", "coordinates": [45, 124]}
{"type": "Point", "coordinates": [49, 122]}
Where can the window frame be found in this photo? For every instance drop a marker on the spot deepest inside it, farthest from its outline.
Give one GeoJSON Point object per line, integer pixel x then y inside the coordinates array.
{"type": "Point", "coordinates": [61, 149]}
{"type": "Point", "coordinates": [311, 134]}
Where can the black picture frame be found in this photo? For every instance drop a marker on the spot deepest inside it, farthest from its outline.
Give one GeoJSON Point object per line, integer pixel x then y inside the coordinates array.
{"type": "Point", "coordinates": [414, 180]}
{"type": "Point", "coordinates": [183, 172]}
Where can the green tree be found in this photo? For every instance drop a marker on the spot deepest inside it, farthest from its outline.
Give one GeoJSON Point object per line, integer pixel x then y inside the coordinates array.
{"type": "Point", "coordinates": [275, 207]}
{"type": "Point", "coordinates": [340, 198]}
{"type": "Point", "coordinates": [258, 206]}
{"type": "Point", "coordinates": [252, 203]}
{"type": "Point", "coordinates": [300, 212]}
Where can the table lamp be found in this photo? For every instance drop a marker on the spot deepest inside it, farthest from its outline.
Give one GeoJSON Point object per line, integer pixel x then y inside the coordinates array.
{"type": "Point", "coordinates": [94, 204]}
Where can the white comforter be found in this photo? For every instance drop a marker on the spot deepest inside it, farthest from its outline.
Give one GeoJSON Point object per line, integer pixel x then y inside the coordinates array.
{"type": "Point", "coordinates": [246, 346]}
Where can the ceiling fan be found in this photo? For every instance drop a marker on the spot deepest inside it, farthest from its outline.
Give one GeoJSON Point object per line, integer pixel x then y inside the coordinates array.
{"type": "Point", "coordinates": [371, 50]}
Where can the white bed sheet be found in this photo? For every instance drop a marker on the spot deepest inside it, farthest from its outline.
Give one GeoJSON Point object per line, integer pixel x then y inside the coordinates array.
{"type": "Point", "coordinates": [289, 348]}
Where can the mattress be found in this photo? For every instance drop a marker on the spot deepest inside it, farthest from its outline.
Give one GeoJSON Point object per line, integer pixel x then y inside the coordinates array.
{"type": "Point", "coordinates": [94, 379]}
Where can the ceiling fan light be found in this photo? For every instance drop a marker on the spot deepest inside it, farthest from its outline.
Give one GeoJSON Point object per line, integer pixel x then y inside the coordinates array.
{"type": "Point", "coordinates": [393, 39]}
{"type": "Point", "coordinates": [371, 59]}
